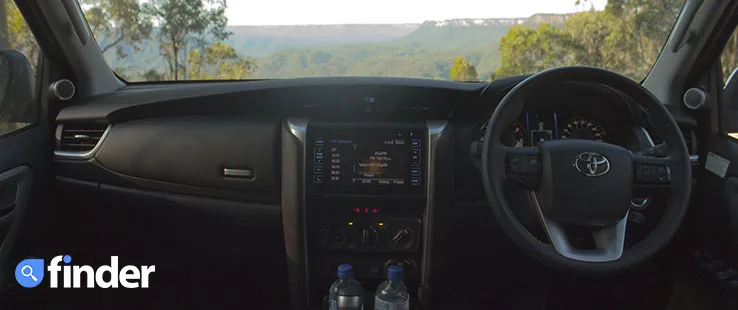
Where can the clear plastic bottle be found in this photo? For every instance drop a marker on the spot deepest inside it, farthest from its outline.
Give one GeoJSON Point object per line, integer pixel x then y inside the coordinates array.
{"type": "Point", "coordinates": [392, 294]}
{"type": "Point", "coordinates": [346, 293]}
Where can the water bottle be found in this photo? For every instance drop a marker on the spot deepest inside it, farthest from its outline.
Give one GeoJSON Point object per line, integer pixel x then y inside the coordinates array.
{"type": "Point", "coordinates": [346, 293]}
{"type": "Point", "coordinates": [392, 294]}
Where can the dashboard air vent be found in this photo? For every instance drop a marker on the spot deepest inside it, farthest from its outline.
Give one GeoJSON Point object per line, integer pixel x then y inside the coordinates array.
{"type": "Point", "coordinates": [687, 133]}
{"type": "Point", "coordinates": [79, 138]}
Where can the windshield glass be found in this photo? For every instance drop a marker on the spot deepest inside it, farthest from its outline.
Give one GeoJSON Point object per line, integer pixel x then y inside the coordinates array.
{"type": "Point", "coordinates": [461, 40]}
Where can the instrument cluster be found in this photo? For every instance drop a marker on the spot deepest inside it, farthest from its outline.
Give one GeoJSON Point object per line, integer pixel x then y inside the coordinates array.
{"type": "Point", "coordinates": [568, 112]}
{"type": "Point", "coordinates": [533, 128]}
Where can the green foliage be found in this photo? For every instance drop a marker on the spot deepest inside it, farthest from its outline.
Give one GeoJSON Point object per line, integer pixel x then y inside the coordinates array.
{"type": "Point", "coordinates": [463, 71]}
{"type": "Point", "coordinates": [729, 57]}
{"type": "Point", "coordinates": [152, 75]}
{"type": "Point", "coordinates": [184, 25]}
{"type": "Point", "coordinates": [219, 62]}
{"type": "Point", "coordinates": [525, 50]}
{"type": "Point", "coordinates": [118, 24]}
{"type": "Point", "coordinates": [626, 37]}
{"type": "Point", "coordinates": [19, 36]}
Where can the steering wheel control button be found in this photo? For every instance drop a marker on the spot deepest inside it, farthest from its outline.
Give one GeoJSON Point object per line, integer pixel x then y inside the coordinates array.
{"type": "Point", "coordinates": [712, 264]}
{"type": "Point", "coordinates": [513, 165]}
{"type": "Point", "coordinates": [653, 174]}
{"type": "Point", "coordinates": [726, 273]}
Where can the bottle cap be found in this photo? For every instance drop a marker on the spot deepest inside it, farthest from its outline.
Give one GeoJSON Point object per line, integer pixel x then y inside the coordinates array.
{"type": "Point", "coordinates": [345, 271]}
{"type": "Point", "coordinates": [395, 272]}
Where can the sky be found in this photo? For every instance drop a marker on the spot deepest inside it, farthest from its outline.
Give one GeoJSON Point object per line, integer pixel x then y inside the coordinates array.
{"type": "Point", "coordinates": [303, 12]}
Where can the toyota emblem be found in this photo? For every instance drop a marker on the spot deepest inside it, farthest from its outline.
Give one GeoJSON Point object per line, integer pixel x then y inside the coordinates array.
{"type": "Point", "coordinates": [592, 164]}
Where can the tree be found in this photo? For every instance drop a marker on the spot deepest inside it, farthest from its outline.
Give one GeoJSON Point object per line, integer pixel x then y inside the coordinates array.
{"type": "Point", "coordinates": [524, 50]}
{"type": "Point", "coordinates": [463, 71]}
{"type": "Point", "coordinates": [19, 36]}
{"type": "Point", "coordinates": [152, 75]}
{"type": "Point", "coordinates": [729, 57]}
{"type": "Point", "coordinates": [642, 30]}
{"type": "Point", "coordinates": [184, 25]}
{"type": "Point", "coordinates": [219, 62]}
{"type": "Point", "coordinates": [118, 24]}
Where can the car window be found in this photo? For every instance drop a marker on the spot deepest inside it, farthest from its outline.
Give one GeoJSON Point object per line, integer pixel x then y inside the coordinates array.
{"type": "Point", "coordinates": [19, 55]}
{"type": "Point", "coordinates": [463, 40]}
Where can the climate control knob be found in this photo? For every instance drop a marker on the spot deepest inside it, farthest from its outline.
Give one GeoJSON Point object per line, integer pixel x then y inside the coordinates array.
{"type": "Point", "coordinates": [402, 238]}
{"type": "Point", "coordinates": [368, 235]}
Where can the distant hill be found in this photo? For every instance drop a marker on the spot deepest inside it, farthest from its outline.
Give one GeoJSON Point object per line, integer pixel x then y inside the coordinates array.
{"type": "Point", "coordinates": [420, 50]}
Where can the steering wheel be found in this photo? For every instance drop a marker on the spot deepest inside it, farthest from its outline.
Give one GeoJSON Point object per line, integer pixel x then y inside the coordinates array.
{"type": "Point", "coordinates": [585, 184]}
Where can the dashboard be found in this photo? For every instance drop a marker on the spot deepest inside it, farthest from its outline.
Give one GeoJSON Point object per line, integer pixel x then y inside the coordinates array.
{"type": "Point", "coordinates": [372, 171]}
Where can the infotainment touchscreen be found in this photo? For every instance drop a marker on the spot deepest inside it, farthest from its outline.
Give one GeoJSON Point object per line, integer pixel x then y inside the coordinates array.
{"type": "Point", "coordinates": [366, 161]}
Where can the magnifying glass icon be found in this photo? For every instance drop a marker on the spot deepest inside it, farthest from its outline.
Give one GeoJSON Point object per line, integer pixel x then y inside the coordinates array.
{"type": "Point", "coordinates": [29, 273]}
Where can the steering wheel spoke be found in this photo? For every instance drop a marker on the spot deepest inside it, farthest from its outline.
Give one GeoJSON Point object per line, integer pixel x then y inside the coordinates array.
{"type": "Point", "coordinates": [608, 240]}
{"type": "Point", "coordinates": [651, 174]}
{"type": "Point", "coordinates": [523, 166]}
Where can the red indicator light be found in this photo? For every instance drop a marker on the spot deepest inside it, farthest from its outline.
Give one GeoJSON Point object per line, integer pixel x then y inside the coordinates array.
{"type": "Point", "coordinates": [366, 210]}
{"type": "Point", "coordinates": [375, 210]}
{"type": "Point", "coordinates": [357, 210]}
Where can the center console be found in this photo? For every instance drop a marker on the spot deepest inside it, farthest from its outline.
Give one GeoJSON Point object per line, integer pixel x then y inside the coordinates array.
{"type": "Point", "coordinates": [365, 197]}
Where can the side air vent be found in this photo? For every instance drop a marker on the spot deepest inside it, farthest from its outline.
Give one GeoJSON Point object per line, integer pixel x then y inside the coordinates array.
{"type": "Point", "coordinates": [79, 140]}
{"type": "Point", "coordinates": [689, 140]}
{"type": "Point", "coordinates": [688, 134]}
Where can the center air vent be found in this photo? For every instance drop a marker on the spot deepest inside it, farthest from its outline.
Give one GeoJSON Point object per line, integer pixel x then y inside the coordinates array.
{"type": "Point", "coordinates": [78, 139]}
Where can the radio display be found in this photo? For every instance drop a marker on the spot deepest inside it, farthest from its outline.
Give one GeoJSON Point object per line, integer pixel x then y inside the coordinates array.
{"type": "Point", "coordinates": [366, 161]}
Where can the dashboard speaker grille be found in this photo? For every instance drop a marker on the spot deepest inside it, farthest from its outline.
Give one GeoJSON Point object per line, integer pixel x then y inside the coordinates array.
{"type": "Point", "coordinates": [80, 137]}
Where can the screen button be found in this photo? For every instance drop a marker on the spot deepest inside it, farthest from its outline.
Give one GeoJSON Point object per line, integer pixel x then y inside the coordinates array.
{"type": "Point", "coordinates": [415, 181]}
{"type": "Point", "coordinates": [319, 152]}
{"type": "Point", "coordinates": [318, 170]}
{"type": "Point", "coordinates": [416, 143]}
{"type": "Point", "coordinates": [318, 179]}
{"type": "Point", "coordinates": [319, 141]}
{"type": "Point", "coordinates": [415, 171]}
{"type": "Point", "coordinates": [318, 161]}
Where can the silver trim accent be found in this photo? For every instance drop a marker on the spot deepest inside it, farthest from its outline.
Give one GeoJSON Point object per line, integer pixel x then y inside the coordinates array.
{"type": "Point", "coordinates": [731, 77]}
{"type": "Point", "coordinates": [703, 98]}
{"type": "Point", "coordinates": [238, 173]}
{"type": "Point", "coordinates": [82, 155]}
{"type": "Point", "coordinates": [692, 158]}
{"type": "Point", "coordinates": [298, 128]}
{"type": "Point", "coordinates": [648, 136]}
{"type": "Point", "coordinates": [435, 131]}
{"type": "Point", "coordinates": [55, 89]}
{"type": "Point", "coordinates": [610, 241]}
{"type": "Point", "coordinates": [635, 204]}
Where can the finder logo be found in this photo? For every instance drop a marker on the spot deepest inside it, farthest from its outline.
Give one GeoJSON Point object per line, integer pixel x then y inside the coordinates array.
{"type": "Point", "coordinates": [30, 273]}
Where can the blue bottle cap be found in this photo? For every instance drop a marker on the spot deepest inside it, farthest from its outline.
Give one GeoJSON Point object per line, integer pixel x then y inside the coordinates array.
{"type": "Point", "coordinates": [395, 272]}
{"type": "Point", "coordinates": [345, 271]}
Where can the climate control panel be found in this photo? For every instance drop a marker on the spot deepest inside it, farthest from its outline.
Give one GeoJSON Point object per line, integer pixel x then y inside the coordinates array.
{"type": "Point", "coordinates": [364, 235]}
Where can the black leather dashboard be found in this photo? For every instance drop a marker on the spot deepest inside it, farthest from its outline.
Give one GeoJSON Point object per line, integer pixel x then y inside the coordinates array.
{"type": "Point", "coordinates": [178, 138]}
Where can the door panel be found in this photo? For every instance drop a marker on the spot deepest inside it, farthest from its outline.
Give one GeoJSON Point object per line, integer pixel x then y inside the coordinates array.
{"type": "Point", "coordinates": [24, 163]}
{"type": "Point", "coordinates": [14, 187]}
{"type": "Point", "coordinates": [715, 234]}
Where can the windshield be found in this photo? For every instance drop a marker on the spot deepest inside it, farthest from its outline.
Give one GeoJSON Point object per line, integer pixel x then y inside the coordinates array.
{"type": "Point", "coordinates": [461, 40]}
